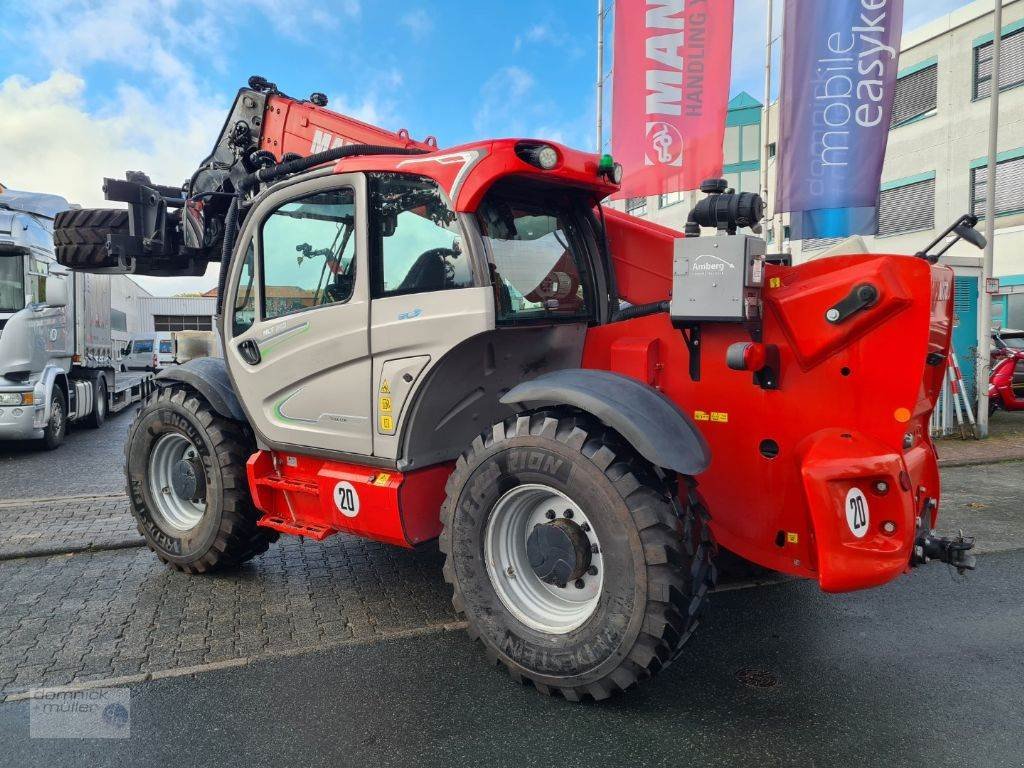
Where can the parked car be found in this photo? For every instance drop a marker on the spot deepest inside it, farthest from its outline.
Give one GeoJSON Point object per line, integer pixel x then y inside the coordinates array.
{"type": "Point", "coordinates": [148, 351]}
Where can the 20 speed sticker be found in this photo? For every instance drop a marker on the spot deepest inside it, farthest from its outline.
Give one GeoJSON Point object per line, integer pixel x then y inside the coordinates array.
{"type": "Point", "coordinates": [857, 514]}
{"type": "Point", "coordinates": [346, 499]}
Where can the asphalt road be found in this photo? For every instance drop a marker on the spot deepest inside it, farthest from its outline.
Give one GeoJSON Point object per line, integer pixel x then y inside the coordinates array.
{"type": "Point", "coordinates": [927, 671]}
{"type": "Point", "coordinates": [91, 462]}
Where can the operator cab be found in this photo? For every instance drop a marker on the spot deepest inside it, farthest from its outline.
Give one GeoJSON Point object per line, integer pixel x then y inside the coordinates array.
{"type": "Point", "coordinates": [364, 303]}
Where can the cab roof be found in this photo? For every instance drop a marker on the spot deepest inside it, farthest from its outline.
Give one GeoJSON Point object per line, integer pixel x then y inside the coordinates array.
{"type": "Point", "coordinates": [467, 171]}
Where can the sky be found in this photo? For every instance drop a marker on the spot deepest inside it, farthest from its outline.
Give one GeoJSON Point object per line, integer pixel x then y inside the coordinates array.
{"type": "Point", "coordinates": [93, 88]}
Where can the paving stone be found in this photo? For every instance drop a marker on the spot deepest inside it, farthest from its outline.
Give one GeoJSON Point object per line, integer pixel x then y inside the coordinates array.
{"type": "Point", "coordinates": [135, 615]}
{"type": "Point", "coordinates": [66, 525]}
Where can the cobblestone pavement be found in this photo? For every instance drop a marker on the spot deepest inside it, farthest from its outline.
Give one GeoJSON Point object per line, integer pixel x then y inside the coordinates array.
{"type": "Point", "coordinates": [45, 526]}
{"type": "Point", "coordinates": [115, 612]}
{"type": "Point", "coordinates": [106, 614]}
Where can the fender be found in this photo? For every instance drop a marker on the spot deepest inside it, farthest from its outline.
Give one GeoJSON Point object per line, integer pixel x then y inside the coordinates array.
{"type": "Point", "coordinates": [653, 424]}
{"type": "Point", "coordinates": [48, 379]}
{"type": "Point", "coordinates": [209, 376]}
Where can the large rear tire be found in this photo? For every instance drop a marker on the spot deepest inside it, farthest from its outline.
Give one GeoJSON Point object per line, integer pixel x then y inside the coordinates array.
{"type": "Point", "coordinates": [612, 617]}
{"type": "Point", "coordinates": [80, 236]}
{"type": "Point", "coordinates": [187, 484]}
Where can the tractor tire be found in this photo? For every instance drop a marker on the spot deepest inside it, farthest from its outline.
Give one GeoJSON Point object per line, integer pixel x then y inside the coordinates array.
{"type": "Point", "coordinates": [608, 619]}
{"type": "Point", "coordinates": [80, 236]}
{"type": "Point", "coordinates": [187, 484]}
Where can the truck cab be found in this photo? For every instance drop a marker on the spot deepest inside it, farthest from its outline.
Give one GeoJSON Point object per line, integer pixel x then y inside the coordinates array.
{"type": "Point", "coordinates": [35, 342]}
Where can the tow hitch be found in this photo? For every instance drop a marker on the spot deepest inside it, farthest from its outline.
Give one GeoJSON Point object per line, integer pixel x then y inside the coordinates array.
{"type": "Point", "coordinates": [929, 547]}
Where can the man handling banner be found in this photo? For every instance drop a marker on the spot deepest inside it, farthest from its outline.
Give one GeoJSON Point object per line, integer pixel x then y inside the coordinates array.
{"type": "Point", "coordinates": [670, 92]}
{"type": "Point", "coordinates": [839, 65]}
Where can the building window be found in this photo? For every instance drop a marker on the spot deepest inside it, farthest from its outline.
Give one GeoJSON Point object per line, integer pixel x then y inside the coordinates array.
{"type": "Point", "coordinates": [1009, 187]}
{"type": "Point", "coordinates": [1011, 68]}
{"type": "Point", "coordinates": [731, 148]}
{"type": "Point", "coordinates": [750, 143]}
{"type": "Point", "coordinates": [818, 243]}
{"type": "Point", "coordinates": [670, 198]}
{"type": "Point", "coordinates": [182, 323]}
{"type": "Point", "coordinates": [118, 321]}
{"type": "Point", "coordinates": [636, 206]}
{"type": "Point", "coordinates": [772, 149]}
{"type": "Point", "coordinates": [916, 95]}
{"type": "Point", "coordinates": [786, 234]}
{"type": "Point", "coordinates": [907, 207]}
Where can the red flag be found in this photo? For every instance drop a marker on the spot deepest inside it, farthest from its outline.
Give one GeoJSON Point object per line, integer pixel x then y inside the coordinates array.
{"type": "Point", "coordinates": [670, 92]}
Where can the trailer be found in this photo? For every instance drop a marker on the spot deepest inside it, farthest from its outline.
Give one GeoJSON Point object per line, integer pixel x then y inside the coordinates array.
{"type": "Point", "coordinates": [56, 351]}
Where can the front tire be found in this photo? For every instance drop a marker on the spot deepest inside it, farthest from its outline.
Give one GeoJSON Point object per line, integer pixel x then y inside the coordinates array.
{"type": "Point", "coordinates": [57, 425]}
{"type": "Point", "coordinates": [187, 484]}
{"type": "Point", "coordinates": [654, 566]}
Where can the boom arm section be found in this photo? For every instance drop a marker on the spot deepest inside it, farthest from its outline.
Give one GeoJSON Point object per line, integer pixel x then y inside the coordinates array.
{"type": "Point", "coordinates": [177, 231]}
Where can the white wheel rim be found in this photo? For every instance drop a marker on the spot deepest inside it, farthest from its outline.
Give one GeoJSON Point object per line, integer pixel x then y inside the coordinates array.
{"type": "Point", "coordinates": [178, 513]}
{"type": "Point", "coordinates": [537, 604]}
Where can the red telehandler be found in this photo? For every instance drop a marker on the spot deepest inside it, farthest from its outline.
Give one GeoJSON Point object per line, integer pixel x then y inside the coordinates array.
{"type": "Point", "coordinates": [464, 344]}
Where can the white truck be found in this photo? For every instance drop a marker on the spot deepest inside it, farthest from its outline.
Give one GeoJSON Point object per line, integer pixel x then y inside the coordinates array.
{"type": "Point", "coordinates": [56, 354]}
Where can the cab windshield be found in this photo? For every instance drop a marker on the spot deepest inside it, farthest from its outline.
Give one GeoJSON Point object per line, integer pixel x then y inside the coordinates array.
{"type": "Point", "coordinates": [12, 282]}
{"type": "Point", "coordinates": [537, 254]}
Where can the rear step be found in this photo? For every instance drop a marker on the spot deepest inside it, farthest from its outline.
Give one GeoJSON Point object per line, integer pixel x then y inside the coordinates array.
{"type": "Point", "coordinates": [316, 532]}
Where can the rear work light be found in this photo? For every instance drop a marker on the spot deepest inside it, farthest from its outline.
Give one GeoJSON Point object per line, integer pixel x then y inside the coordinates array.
{"type": "Point", "coordinates": [542, 156]}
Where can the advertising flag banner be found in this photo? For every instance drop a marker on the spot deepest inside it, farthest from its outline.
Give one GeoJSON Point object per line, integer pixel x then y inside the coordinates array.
{"type": "Point", "coordinates": [670, 92]}
{"type": "Point", "coordinates": [839, 63]}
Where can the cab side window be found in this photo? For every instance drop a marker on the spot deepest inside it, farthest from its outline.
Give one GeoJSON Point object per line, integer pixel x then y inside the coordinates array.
{"type": "Point", "coordinates": [308, 253]}
{"type": "Point", "coordinates": [416, 241]}
{"type": "Point", "coordinates": [244, 314]}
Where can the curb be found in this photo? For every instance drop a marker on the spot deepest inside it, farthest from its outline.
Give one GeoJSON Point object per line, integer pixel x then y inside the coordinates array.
{"type": "Point", "coordinates": [25, 693]}
{"type": "Point", "coordinates": [26, 554]}
{"type": "Point", "coordinates": [973, 462]}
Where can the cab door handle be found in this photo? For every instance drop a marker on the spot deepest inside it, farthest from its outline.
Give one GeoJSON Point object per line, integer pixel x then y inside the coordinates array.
{"type": "Point", "coordinates": [250, 352]}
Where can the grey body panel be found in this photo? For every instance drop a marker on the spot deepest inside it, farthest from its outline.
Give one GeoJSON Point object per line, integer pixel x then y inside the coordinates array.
{"type": "Point", "coordinates": [209, 376]}
{"type": "Point", "coordinates": [649, 421]}
{"type": "Point", "coordinates": [463, 393]}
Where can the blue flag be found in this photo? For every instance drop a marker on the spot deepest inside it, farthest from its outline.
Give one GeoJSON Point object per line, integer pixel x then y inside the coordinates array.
{"type": "Point", "coordinates": [839, 62]}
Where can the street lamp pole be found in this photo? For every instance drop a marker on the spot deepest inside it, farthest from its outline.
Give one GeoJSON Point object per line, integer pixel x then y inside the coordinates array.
{"type": "Point", "coordinates": [600, 77]}
{"type": "Point", "coordinates": [984, 300]}
{"type": "Point", "coordinates": [766, 123]}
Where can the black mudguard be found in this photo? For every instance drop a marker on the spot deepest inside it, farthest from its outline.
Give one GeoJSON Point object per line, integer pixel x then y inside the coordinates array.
{"type": "Point", "coordinates": [209, 376]}
{"type": "Point", "coordinates": [654, 425]}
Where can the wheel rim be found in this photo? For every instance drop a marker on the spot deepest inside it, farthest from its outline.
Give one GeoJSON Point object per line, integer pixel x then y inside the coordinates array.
{"type": "Point", "coordinates": [56, 418]}
{"type": "Point", "coordinates": [539, 605]}
{"type": "Point", "coordinates": [174, 509]}
{"type": "Point", "coordinates": [101, 401]}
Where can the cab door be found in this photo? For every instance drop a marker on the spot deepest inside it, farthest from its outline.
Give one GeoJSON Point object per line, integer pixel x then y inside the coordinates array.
{"type": "Point", "coordinates": [296, 314]}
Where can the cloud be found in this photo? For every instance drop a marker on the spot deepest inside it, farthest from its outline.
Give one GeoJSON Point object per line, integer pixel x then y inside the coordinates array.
{"type": "Point", "coordinates": [53, 143]}
{"type": "Point", "coordinates": [546, 33]}
{"type": "Point", "coordinates": [502, 104]}
{"type": "Point", "coordinates": [418, 22]}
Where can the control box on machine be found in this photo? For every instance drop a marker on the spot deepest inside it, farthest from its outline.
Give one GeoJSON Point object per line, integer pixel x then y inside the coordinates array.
{"type": "Point", "coordinates": [717, 279]}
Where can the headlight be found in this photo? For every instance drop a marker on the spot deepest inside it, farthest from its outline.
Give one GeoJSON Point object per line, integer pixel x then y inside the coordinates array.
{"type": "Point", "coordinates": [16, 398]}
{"type": "Point", "coordinates": [541, 156]}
